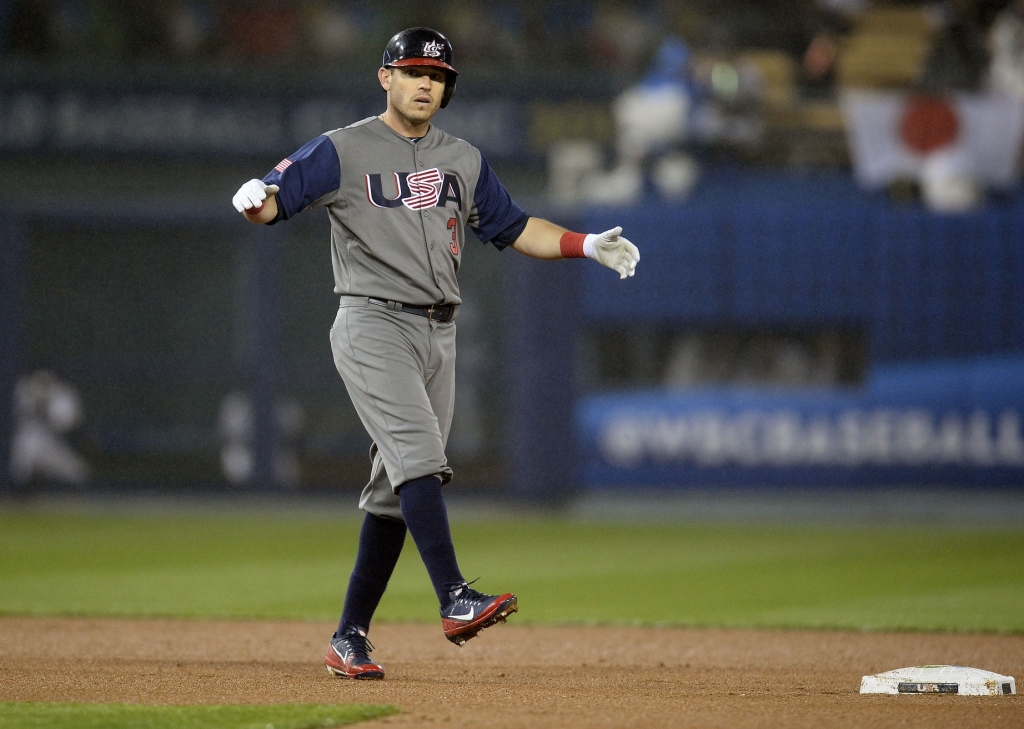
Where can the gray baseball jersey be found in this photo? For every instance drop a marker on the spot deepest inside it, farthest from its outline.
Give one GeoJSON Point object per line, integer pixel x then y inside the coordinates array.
{"type": "Point", "coordinates": [398, 209]}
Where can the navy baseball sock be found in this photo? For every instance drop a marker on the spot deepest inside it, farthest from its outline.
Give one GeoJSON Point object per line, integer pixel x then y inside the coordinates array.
{"type": "Point", "coordinates": [380, 544]}
{"type": "Point", "coordinates": [427, 518]}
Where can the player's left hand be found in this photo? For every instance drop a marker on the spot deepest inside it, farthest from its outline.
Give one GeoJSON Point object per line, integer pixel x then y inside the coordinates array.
{"type": "Point", "coordinates": [612, 250]}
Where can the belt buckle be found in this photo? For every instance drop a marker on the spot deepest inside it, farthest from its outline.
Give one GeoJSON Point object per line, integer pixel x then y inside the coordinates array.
{"type": "Point", "coordinates": [430, 313]}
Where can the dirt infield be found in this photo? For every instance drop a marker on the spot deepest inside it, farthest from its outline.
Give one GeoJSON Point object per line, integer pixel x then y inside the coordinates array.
{"type": "Point", "coordinates": [513, 676]}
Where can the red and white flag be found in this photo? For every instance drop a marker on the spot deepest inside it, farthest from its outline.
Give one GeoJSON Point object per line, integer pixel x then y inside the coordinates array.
{"type": "Point", "coordinates": [893, 135]}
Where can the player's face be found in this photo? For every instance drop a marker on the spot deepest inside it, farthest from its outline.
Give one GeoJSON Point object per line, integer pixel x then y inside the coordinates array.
{"type": "Point", "coordinates": [414, 91]}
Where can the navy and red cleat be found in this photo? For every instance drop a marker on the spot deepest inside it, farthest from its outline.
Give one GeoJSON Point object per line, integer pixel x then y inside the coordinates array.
{"type": "Point", "coordinates": [468, 612]}
{"type": "Point", "coordinates": [348, 656]}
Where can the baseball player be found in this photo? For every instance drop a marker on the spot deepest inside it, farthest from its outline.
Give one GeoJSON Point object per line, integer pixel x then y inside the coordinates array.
{"type": "Point", "coordinates": [400, 193]}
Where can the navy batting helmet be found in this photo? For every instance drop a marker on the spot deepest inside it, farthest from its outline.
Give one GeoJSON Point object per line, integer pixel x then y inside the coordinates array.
{"type": "Point", "coordinates": [423, 47]}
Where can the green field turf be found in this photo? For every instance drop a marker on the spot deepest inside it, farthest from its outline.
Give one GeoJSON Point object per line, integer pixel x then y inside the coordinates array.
{"type": "Point", "coordinates": [18, 715]}
{"type": "Point", "coordinates": [563, 571]}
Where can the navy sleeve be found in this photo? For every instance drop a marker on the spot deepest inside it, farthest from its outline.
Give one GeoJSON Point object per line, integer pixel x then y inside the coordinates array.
{"type": "Point", "coordinates": [305, 176]}
{"type": "Point", "coordinates": [500, 221]}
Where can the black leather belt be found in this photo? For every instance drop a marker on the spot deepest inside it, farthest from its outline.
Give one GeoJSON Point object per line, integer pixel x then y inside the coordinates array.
{"type": "Point", "coordinates": [437, 312]}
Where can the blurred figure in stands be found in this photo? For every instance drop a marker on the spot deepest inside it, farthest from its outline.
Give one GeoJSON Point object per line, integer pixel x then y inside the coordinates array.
{"type": "Point", "coordinates": [958, 57]}
{"type": "Point", "coordinates": [45, 408]}
{"type": "Point", "coordinates": [651, 121]}
{"type": "Point", "coordinates": [1006, 44]}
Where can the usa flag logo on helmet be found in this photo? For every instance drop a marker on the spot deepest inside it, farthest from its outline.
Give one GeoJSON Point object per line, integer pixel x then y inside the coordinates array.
{"type": "Point", "coordinates": [432, 49]}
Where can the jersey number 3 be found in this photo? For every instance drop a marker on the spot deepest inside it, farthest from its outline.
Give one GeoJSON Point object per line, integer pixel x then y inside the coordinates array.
{"type": "Point", "coordinates": [454, 245]}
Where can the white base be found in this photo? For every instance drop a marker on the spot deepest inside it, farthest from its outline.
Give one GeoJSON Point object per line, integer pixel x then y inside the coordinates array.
{"type": "Point", "coordinates": [939, 680]}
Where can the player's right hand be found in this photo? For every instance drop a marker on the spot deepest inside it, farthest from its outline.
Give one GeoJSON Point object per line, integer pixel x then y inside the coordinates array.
{"type": "Point", "coordinates": [251, 196]}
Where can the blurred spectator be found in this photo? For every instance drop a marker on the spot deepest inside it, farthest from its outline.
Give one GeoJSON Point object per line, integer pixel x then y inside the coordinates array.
{"type": "Point", "coordinates": [652, 115]}
{"type": "Point", "coordinates": [958, 58]}
{"type": "Point", "coordinates": [1006, 44]}
{"type": "Point", "coordinates": [45, 408]}
{"type": "Point", "coordinates": [819, 59]}
{"type": "Point", "coordinates": [829, 21]}
{"type": "Point", "coordinates": [651, 119]}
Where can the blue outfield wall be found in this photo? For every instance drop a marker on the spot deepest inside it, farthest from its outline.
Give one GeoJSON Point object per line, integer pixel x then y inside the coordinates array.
{"type": "Point", "coordinates": [939, 298]}
{"type": "Point", "coordinates": [777, 249]}
{"type": "Point", "coordinates": [941, 423]}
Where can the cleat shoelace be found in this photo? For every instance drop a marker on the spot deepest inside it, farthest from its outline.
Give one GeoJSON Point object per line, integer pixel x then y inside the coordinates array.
{"type": "Point", "coordinates": [360, 648]}
{"type": "Point", "coordinates": [469, 595]}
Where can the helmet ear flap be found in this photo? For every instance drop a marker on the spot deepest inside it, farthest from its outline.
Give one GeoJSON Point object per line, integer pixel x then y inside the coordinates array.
{"type": "Point", "coordinates": [449, 88]}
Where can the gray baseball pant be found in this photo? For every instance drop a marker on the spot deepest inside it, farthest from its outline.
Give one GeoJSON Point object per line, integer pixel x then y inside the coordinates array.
{"type": "Point", "coordinates": [399, 371]}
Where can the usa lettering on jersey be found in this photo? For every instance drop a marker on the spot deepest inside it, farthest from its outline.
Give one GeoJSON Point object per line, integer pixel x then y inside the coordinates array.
{"type": "Point", "coordinates": [416, 190]}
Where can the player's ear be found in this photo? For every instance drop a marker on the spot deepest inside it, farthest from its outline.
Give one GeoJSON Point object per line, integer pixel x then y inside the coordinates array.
{"type": "Point", "coordinates": [384, 76]}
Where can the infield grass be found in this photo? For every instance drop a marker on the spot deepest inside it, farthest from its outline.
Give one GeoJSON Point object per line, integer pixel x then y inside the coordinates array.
{"type": "Point", "coordinates": [563, 571]}
{"type": "Point", "coordinates": [25, 715]}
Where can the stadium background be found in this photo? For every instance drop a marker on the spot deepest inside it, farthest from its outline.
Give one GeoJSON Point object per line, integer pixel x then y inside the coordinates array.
{"type": "Point", "coordinates": [125, 126]}
{"type": "Point", "coordinates": [804, 412]}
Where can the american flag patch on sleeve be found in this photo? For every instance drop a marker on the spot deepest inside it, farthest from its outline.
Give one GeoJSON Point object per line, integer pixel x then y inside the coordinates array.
{"type": "Point", "coordinates": [283, 165]}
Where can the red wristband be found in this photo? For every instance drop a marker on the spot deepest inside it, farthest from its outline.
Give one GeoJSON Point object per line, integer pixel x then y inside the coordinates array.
{"type": "Point", "coordinates": [572, 244]}
{"type": "Point", "coordinates": [254, 211]}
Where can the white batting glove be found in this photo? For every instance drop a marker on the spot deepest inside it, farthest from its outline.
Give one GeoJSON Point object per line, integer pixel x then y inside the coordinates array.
{"type": "Point", "coordinates": [612, 250]}
{"type": "Point", "coordinates": [252, 195]}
